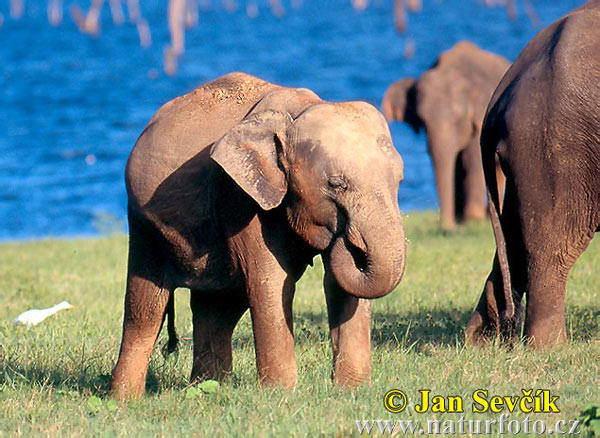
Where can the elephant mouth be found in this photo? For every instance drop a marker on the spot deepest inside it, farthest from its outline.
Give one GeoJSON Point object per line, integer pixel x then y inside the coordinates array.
{"type": "Point", "coordinates": [361, 261]}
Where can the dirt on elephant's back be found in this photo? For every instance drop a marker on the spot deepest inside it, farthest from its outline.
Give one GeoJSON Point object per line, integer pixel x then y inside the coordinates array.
{"type": "Point", "coordinates": [233, 88]}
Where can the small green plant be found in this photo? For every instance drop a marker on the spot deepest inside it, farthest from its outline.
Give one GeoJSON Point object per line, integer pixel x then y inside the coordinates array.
{"type": "Point", "coordinates": [206, 387]}
{"type": "Point", "coordinates": [95, 405]}
{"type": "Point", "coordinates": [590, 417]}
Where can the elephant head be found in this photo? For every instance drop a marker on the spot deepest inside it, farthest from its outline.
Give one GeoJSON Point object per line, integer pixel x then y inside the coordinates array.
{"type": "Point", "coordinates": [333, 170]}
{"type": "Point", "coordinates": [450, 98]}
{"type": "Point", "coordinates": [400, 103]}
{"type": "Point", "coordinates": [433, 103]}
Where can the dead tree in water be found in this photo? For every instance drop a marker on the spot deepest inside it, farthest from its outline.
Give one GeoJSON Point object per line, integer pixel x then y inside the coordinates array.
{"type": "Point", "coordinates": [133, 9]}
{"type": "Point", "coordinates": [55, 12]}
{"type": "Point", "coordinates": [17, 8]}
{"type": "Point", "coordinates": [176, 18]}
{"type": "Point", "coordinates": [277, 8]}
{"type": "Point", "coordinates": [399, 16]}
{"type": "Point", "coordinates": [359, 5]}
{"type": "Point", "coordinates": [135, 17]}
{"type": "Point", "coordinates": [191, 14]}
{"type": "Point", "coordinates": [90, 22]}
{"type": "Point", "coordinates": [116, 10]}
{"type": "Point", "coordinates": [183, 14]}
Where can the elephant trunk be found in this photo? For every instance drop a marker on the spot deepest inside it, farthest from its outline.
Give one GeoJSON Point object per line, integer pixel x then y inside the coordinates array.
{"type": "Point", "coordinates": [368, 260]}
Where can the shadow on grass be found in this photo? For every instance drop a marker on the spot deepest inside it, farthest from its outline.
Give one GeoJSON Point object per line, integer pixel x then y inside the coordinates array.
{"type": "Point", "coordinates": [62, 380]}
{"type": "Point", "coordinates": [413, 330]}
{"type": "Point", "coordinates": [583, 323]}
{"type": "Point", "coordinates": [420, 330]}
{"type": "Point", "coordinates": [57, 378]}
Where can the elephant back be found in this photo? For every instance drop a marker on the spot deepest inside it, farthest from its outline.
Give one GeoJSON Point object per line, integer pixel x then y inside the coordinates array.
{"type": "Point", "coordinates": [184, 128]}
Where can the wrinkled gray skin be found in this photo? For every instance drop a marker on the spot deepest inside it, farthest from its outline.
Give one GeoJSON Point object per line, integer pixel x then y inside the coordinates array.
{"type": "Point", "coordinates": [543, 124]}
{"type": "Point", "coordinates": [449, 100]}
{"type": "Point", "coordinates": [233, 189]}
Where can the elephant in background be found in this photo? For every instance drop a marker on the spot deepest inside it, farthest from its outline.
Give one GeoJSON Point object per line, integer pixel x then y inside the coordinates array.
{"type": "Point", "coordinates": [543, 125]}
{"type": "Point", "coordinates": [232, 190]}
{"type": "Point", "coordinates": [449, 100]}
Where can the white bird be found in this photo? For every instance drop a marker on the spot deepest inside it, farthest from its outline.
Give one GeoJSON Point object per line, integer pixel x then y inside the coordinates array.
{"type": "Point", "coordinates": [35, 316]}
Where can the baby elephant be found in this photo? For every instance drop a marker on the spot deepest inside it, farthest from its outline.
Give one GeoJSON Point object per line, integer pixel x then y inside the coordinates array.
{"type": "Point", "coordinates": [233, 189]}
{"type": "Point", "coordinates": [450, 100]}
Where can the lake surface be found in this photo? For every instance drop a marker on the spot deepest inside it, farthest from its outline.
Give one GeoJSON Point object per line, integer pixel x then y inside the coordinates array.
{"type": "Point", "coordinates": [72, 106]}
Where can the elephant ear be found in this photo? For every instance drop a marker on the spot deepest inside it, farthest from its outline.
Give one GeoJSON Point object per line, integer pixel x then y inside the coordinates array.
{"type": "Point", "coordinates": [248, 153]}
{"type": "Point", "coordinates": [400, 103]}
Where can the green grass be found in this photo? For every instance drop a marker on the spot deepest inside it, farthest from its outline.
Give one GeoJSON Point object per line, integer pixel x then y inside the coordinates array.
{"type": "Point", "coordinates": [51, 374]}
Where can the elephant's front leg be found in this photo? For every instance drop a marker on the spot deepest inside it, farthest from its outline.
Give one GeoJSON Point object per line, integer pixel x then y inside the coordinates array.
{"type": "Point", "coordinates": [350, 327]}
{"type": "Point", "coordinates": [444, 165]}
{"type": "Point", "coordinates": [474, 184]}
{"type": "Point", "coordinates": [271, 295]}
{"type": "Point", "coordinates": [215, 315]}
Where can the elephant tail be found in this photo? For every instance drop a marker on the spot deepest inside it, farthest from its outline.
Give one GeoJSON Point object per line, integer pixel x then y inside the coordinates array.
{"type": "Point", "coordinates": [488, 155]}
{"type": "Point", "coordinates": [173, 342]}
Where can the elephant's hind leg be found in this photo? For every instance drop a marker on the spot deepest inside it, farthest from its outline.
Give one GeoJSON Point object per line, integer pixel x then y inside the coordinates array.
{"type": "Point", "coordinates": [546, 288]}
{"type": "Point", "coordinates": [145, 306]}
{"type": "Point", "coordinates": [489, 319]}
{"type": "Point", "coordinates": [215, 315]}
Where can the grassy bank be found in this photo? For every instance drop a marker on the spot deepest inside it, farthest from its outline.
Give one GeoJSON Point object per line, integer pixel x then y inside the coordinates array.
{"type": "Point", "coordinates": [50, 375]}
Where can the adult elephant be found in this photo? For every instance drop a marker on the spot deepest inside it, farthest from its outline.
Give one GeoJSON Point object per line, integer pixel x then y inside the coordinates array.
{"type": "Point", "coordinates": [543, 123]}
{"type": "Point", "coordinates": [449, 100]}
{"type": "Point", "coordinates": [233, 189]}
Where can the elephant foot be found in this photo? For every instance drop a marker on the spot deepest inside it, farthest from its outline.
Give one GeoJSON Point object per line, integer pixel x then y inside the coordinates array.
{"type": "Point", "coordinates": [210, 367]}
{"type": "Point", "coordinates": [128, 383]}
{"type": "Point", "coordinates": [546, 334]}
{"type": "Point", "coordinates": [348, 376]}
{"type": "Point", "coordinates": [482, 329]}
{"type": "Point", "coordinates": [448, 222]}
{"type": "Point", "coordinates": [477, 213]}
{"type": "Point", "coordinates": [448, 228]}
{"type": "Point", "coordinates": [476, 331]}
{"type": "Point", "coordinates": [126, 392]}
{"type": "Point", "coordinates": [285, 378]}
{"type": "Point", "coordinates": [545, 321]}
{"type": "Point", "coordinates": [490, 320]}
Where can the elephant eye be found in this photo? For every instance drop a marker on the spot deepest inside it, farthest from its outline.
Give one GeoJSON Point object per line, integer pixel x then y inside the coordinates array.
{"type": "Point", "coordinates": [337, 183]}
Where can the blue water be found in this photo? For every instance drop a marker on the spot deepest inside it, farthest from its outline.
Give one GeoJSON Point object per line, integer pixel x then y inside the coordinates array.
{"type": "Point", "coordinates": [71, 106]}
